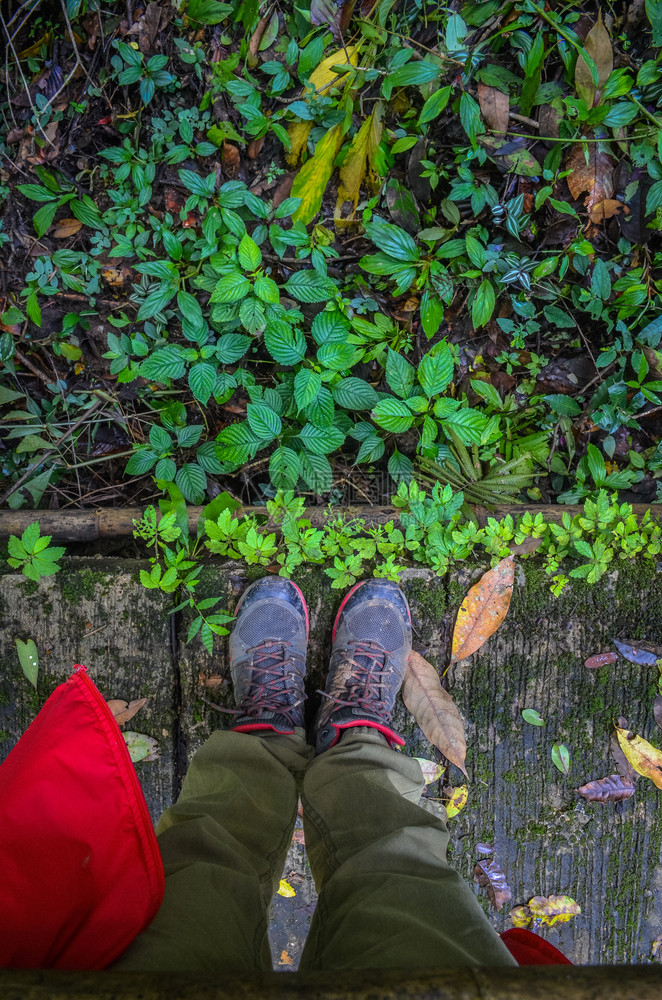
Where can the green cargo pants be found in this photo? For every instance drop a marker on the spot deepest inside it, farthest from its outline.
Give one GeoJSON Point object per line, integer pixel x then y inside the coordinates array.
{"type": "Point", "coordinates": [387, 897]}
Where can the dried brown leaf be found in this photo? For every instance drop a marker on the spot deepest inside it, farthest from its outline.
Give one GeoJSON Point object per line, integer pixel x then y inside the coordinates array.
{"type": "Point", "coordinates": [591, 172]}
{"type": "Point", "coordinates": [123, 711]}
{"type": "Point", "coordinates": [490, 876]}
{"type": "Point", "coordinates": [335, 13]}
{"type": "Point", "coordinates": [607, 209]}
{"type": "Point", "coordinates": [494, 105]}
{"type": "Point", "coordinates": [231, 160]}
{"type": "Point", "coordinates": [598, 47]}
{"type": "Point", "coordinates": [483, 609]}
{"type": "Point", "coordinates": [525, 548]}
{"type": "Point", "coordinates": [65, 228]}
{"type": "Point", "coordinates": [434, 709]}
{"type": "Point", "coordinates": [613, 788]}
{"type": "Point", "coordinates": [600, 660]}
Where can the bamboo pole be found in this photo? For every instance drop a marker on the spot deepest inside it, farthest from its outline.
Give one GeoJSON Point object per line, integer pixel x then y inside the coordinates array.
{"type": "Point", "coordinates": [111, 522]}
{"type": "Point", "coordinates": [542, 982]}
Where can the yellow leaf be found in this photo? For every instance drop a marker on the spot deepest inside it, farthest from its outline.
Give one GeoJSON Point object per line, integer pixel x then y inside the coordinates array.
{"type": "Point", "coordinates": [545, 911]}
{"type": "Point", "coordinates": [483, 609]}
{"type": "Point", "coordinates": [457, 801]}
{"type": "Point", "coordinates": [643, 756]}
{"type": "Point", "coordinates": [298, 133]}
{"type": "Point", "coordinates": [353, 170]}
{"type": "Point", "coordinates": [520, 916]}
{"type": "Point", "coordinates": [320, 80]}
{"type": "Point", "coordinates": [310, 183]}
{"type": "Point", "coordinates": [285, 889]}
{"type": "Point", "coordinates": [431, 770]}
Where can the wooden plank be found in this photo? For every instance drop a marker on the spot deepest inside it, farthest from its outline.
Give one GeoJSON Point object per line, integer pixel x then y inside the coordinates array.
{"type": "Point", "coordinates": [93, 612]}
{"type": "Point", "coordinates": [91, 526]}
{"type": "Point", "coordinates": [546, 982]}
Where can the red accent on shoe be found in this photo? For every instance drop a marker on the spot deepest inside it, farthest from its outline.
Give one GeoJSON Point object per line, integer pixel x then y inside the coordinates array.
{"type": "Point", "coordinates": [392, 737]}
{"type": "Point", "coordinates": [250, 727]}
{"type": "Point", "coordinates": [344, 602]}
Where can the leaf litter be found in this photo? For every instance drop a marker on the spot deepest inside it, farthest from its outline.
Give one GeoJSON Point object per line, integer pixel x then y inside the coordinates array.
{"type": "Point", "coordinates": [434, 710]}
{"type": "Point", "coordinates": [483, 609]}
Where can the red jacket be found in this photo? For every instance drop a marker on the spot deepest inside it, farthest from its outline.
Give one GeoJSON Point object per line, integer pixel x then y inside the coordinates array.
{"type": "Point", "coordinates": [81, 870]}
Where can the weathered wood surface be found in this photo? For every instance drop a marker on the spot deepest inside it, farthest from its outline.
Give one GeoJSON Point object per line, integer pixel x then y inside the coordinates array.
{"type": "Point", "coordinates": [95, 525]}
{"type": "Point", "coordinates": [547, 839]}
{"type": "Point", "coordinates": [94, 612]}
{"type": "Point", "coordinates": [528, 983]}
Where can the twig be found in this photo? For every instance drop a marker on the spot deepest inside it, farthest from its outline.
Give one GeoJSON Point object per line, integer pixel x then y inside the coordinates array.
{"type": "Point", "coordinates": [33, 368]}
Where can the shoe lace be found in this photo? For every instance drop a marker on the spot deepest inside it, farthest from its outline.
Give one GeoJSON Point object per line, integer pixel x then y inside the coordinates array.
{"type": "Point", "coordinates": [270, 670]}
{"type": "Point", "coordinates": [363, 681]}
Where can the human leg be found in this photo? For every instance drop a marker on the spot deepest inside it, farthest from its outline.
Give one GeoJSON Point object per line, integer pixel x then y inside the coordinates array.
{"type": "Point", "coordinates": [388, 898]}
{"type": "Point", "coordinates": [224, 842]}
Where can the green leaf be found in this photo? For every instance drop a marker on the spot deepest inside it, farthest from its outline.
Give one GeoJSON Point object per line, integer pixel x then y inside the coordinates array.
{"type": "Point", "coordinates": [316, 472]}
{"type": "Point", "coordinates": [192, 481]}
{"type": "Point", "coordinates": [140, 462]}
{"type": "Point", "coordinates": [252, 315]}
{"type": "Point", "coordinates": [307, 384]}
{"type": "Point", "coordinates": [371, 450]}
{"type": "Point", "coordinates": [434, 105]}
{"type": "Point", "coordinates": [42, 219]}
{"type": "Point", "coordinates": [28, 657]}
{"type": "Point", "coordinates": [30, 536]}
{"type": "Point", "coordinates": [432, 313]}
{"type": "Point", "coordinates": [400, 467]}
{"type": "Point", "coordinates": [320, 410]}
{"type": "Point", "coordinates": [201, 379]}
{"type": "Point", "coordinates": [156, 301]}
{"type": "Point", "coordinates": [207, 458]}
{"type": "Point", "coordinates": [483, 304]}
{"type": "Point", "coordinates": [393, 415]}
{"type": "Point", "coordinates": [250, 255]}
{"type": "Point", "coordinates": [165, 363]}
{"type": "Point", "coordinates": [321, 440]}
{"type": "Point", "coordinates": [232, 346]}
{"type": "Point", "coordinates": [532, 717]}
{"type": "Point", "coordinates": [393, 241]}
{"type": "Point", "coordinates": [355, 394]}
{"type": "Point", "coordinates": [165, 469]}
{"type": "Point", "coordinates": [267, 290]}
{"type": "Point", "coordinates": [262, 420]}
{"type": "Point", "coordinates": [338, 357]}
{"type": "Point", "coordinates": [231, 288]}
{"type": "Point", "coordinates": [600, 280]}
{"type": "Point", "coordinates": [412, 74]}
{"type": "Point", "coordinates": [561, 757]}
{"type": "Point", "coordinates": [284, 468]}
{"type": "Point", "coordinates": [309, 286]}
{"type": "Point", "coordinates": [159, 439]}
{"type": "Point", "coordinates": [436, 369]}
{"type": "Point", "coordinates": [565, 406]}
{"type": "Point", "coordinates": [207, 12]}
{"type": "Point", "coordinates": [284, 345]}
{"type": "Point", "coordinates": [596, 463]}
{"type": "Point", "coordinates": [400, 374]}
{"type": "Point", "coordinates": [35, 192]}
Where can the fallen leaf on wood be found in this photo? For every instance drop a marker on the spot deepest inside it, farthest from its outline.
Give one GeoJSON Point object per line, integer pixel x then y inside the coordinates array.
{"type": "Point", "coordinates": [431, 770]}
{"type": "Point", "coordinates": [483, 609]}
{"type": "Point", "coordinates": [490, 876]}
{"type": "Point", "coordinates": [598, 46]}
{"type": "Point", "coordinates": [656, 948]}
{"type": "Point", "coordinates": [285, 889]}
{"type": "Point", "coordinates": [657, 710]}
{"type": "Point", "coordinates": [644, 654]}
{"type": "Point", "coordinates": [532, 717]}
{"type": "Point", "coordinates": [594, 177]}
{"type": "Point", "coordinates": [627, 773]}
{"type": "Point", "coordinates": [484, 848]}
{"type": "Point", "coordinates": [644, 757]}
{"type": "Point", "coordinates": [457, 801]}
{"type": "Point", "coordinates": [434, 709]}
{"type": "Point", "coordinates": [284, 958]}
{"type": "Point", "coordinates": [613, 788]}
{"type": "Point", "coordinates": [494, 106]}
{"type": "Point", "coordinates": [561, 757]}
{"type": "Point", "coordinates": [600, 660]}
{"type": "Point", "coordinates": [298, 837]}
{"type": "Point", "coordinates": [28, 657]}
{"type": "Point", "coordinates": [123, 711]}
{"type": "Point", "coordinates": [66, 227]}
{"type": "Point", "coordinates": [545, 911]}
{"type": "Point", "coordinates": [141, 747]}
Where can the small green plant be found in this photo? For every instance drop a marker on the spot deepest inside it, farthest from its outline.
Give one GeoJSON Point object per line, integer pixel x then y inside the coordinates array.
{"type": "Point", "coordinates": [33, 554]}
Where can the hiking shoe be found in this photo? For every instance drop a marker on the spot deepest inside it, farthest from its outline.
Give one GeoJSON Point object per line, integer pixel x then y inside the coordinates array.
{"type": "Point", "coordinates": [371, 646]}
{"type": "Point", "coordinates": [268, 656]}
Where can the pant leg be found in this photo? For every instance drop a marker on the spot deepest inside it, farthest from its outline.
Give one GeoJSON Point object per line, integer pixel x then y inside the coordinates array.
{"type": "Point", "coordinates": [223, 846]}
{"type": "Point", "coordinates": [388, 898]}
